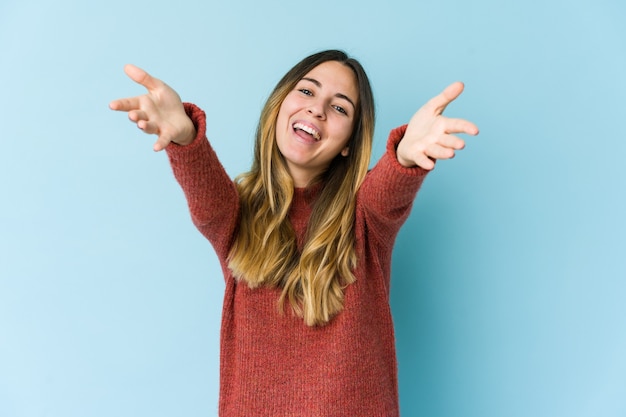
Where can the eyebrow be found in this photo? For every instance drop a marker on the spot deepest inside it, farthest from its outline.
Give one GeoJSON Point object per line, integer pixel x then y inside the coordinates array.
{"type": "Point", "coordinates": [338, 95]}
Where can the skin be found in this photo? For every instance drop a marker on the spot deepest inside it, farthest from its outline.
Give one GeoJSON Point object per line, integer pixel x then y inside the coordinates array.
{"type": "Point", "coordinates": [324, 100]}
{"type": "Point", "coordinates": [159, 112]}
{"type": "Point", "coordinates": [429, 136]}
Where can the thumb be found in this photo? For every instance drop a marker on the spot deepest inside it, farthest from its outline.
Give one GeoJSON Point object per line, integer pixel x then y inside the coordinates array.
{"type": "Point", "coordinates": [142, 77]}
{"type": "Point", "coordinates": [439, 103]}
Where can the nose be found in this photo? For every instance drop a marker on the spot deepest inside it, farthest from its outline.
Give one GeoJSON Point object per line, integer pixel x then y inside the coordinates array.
{"type": "Point", "coordinates": [316, 109]}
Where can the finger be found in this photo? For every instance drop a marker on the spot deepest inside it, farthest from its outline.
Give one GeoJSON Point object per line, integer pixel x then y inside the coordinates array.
{"type": "Point", "coordinates": [142, 77]}
{"type": "Point", "coordinates": [124, 104]}
{"type": "Point", "coordinates": [459, 126]}
{"type": "Point", "coordinates": [424, 162]}
{"type": "Point", "coordinates": [452, 142]}
{"type": "Point", "coordinates": [137, 115]}
{"type": "Point", "coordinates": [158, 147]}
{"type": "Point", "coordinates": [439, 103]}
{"type": "Point", "coordinates": [439, 152]}
{"type": "Point", "coordinates": [148, 127]}
{"type": "Point", "coordinates": [162, 142]}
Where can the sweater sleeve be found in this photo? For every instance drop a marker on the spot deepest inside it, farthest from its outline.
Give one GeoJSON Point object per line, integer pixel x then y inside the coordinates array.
{"type": "Point", "coordinates": [211, 195]}
{"type": "Point", "coordinates": [387, 194]}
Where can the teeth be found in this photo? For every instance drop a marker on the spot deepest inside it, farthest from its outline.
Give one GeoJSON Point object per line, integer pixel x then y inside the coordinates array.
{"type": "Point", "coordinates": [309, 130]}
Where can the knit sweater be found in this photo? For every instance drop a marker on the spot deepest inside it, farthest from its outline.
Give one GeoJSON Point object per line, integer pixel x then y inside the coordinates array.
{"type": "Point", "coordinates": [271, 363]}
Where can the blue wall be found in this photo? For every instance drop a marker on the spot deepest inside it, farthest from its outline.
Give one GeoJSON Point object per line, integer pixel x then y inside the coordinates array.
{"type": "Point", "coordinates": [508, 277]}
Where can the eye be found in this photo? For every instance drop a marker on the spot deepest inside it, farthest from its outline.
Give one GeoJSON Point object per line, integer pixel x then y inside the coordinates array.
{"type": "Point", "coordinates": [340, 109]}
{"type": "Point", "coordinates": [306, 91]}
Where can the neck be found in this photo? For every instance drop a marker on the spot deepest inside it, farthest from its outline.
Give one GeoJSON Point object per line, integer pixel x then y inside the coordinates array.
{"type": "Point", "coordinates": [302, 178]}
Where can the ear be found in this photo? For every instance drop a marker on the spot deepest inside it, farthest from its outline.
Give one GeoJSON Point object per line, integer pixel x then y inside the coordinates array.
{"type": "Point", "coordinates": [345, 151]}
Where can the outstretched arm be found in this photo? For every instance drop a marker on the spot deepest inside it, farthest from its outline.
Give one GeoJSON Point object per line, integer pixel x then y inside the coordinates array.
{"type": "Point", "coordinates": [430, 135]}
{"type": "Point", "coordinates": [159, 112]}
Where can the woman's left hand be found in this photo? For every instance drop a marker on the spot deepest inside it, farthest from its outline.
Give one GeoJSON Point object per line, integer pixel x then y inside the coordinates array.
{"type": "Point", "coordinates": [431, 136]}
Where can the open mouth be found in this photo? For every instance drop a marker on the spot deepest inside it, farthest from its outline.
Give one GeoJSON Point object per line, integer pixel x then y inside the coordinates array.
{"type": "Point", "coordinates": [309, 130]}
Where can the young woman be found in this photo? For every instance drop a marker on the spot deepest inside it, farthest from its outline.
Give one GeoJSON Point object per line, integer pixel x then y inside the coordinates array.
{"type": "Point", "coordinates": [305, 237]}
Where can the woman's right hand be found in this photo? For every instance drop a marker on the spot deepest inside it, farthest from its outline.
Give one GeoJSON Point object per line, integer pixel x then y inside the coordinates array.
{"type": "Point", "coordinates": [159, 112]}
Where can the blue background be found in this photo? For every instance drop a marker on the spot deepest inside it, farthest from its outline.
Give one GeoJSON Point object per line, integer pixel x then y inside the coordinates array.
{"type": "Point", "coordinates": [508, 278]}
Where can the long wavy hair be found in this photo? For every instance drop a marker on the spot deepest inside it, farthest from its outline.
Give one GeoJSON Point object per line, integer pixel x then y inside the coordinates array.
{"type": "Point", "coordinates": [265, 250]}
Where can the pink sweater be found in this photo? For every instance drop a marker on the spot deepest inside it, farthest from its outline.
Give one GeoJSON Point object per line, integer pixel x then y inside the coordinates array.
{"type": "Point", "coordinates": [273, 364]}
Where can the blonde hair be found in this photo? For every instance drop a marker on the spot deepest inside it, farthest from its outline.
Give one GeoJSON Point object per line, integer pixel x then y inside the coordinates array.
{"type": "Point", "coordinates": [264, 251]}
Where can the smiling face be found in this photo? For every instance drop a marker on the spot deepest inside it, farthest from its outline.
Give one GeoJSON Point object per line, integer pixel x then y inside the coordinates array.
{"type": "Point", "coordinates": [316, 119]}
